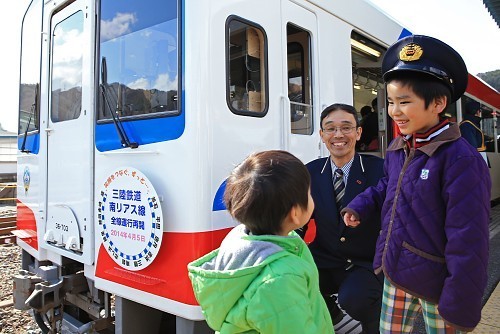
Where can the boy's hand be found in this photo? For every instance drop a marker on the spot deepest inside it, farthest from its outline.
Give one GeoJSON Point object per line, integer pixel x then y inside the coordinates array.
{"type": "Point", "coordinates": [350, 220]}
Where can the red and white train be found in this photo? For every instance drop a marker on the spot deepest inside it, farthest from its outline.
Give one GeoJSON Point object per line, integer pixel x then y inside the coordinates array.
{"type": "Point", "coordinates": [132, 114]}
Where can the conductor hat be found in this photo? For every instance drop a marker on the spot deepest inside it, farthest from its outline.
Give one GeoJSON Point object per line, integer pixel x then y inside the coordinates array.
{"type": "Point", "coordinates": [428, 55]}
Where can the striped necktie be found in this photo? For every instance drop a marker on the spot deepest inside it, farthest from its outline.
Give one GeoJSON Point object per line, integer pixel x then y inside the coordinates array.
{"type": "Point", "coordinates": [339, 187]}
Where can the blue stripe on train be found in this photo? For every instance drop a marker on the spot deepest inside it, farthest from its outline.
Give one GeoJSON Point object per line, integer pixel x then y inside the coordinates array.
{"type": "Point", "coordinates": [144, 131]}
{"type": "Point", "coordinates": [405, 32]}
{"type": "Point", "coordinates": [32, 142]}
{"type": "Point", "coordinates": [218, 199]}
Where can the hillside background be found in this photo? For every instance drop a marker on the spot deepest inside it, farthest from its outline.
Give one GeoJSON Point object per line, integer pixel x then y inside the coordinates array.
{"type": "Point", "coordinates": [492, 78]}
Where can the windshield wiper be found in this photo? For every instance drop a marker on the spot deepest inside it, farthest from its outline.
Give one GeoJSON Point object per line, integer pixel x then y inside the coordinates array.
{"type": "Point", "coordinates": [125, 141]}
{"type": "Point", "coordinates": [32, 111]}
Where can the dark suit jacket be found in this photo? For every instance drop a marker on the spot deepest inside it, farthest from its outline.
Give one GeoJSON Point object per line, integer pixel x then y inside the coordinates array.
{"type": "Point", "coordinates": [336, 245]}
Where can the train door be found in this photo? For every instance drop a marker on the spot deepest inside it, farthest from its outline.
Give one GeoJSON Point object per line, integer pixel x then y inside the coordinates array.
{"type": "Point", "coordinates": [70, 136]}
{"type": "Point", "coordinates": [369, 94]}
{"type": "Point", "coordinates": [301, 135]}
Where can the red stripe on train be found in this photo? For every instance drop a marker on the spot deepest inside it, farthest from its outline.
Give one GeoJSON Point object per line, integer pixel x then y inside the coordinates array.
{"type": "Point", "coordinates": [26, 222]}
{"type": "Point", "coordinates": [167, 276]}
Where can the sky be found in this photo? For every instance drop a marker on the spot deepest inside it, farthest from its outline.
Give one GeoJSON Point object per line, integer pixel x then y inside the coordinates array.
{"type": "Point", "coordinates": [465, 25]}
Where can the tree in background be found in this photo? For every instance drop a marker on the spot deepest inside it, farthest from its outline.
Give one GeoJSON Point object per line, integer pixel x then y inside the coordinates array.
{"type": "Point", "coordinates": [492, 78]}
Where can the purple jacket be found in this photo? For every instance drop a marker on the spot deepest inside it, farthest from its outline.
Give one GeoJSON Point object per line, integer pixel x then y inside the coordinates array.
{"type": "Point", "coordinates": [434, 240]}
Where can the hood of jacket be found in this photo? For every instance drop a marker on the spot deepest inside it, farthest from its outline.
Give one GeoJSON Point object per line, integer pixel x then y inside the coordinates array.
{"type": "Point", "coordinates": [221, 277]}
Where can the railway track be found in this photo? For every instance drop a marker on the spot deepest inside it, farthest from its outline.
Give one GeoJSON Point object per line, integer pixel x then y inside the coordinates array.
{"type": "Point", "coordinates": [7, 225]}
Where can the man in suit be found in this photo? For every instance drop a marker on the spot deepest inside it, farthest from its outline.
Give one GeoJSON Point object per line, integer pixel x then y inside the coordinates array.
{"type": "Point", "coordinates": [470, 127]}
{"type": "Point", "coordinates": [344, 256]}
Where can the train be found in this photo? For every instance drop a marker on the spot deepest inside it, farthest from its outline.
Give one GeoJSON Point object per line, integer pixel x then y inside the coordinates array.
{"type": "Point", "coordinates": [131, 116]}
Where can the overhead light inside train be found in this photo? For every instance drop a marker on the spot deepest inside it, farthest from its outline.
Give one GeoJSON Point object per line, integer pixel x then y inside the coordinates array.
{"type": "Point", "coordinates": [365, 48]}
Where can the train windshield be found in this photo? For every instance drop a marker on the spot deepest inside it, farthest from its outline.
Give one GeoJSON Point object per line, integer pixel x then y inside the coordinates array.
{"type": "Point", "coordinates": [139, 49]}
{"type": "Point", "coordinates": [29, 93]}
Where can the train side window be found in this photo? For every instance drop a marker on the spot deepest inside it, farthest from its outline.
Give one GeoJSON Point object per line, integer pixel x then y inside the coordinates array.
{"type": "Point", "coordinates": [368, 87]}
{"type": "Point", "coordinates": [299, 80]}
{"type": "Point", "coordinates": [246, 68]}
{"type": "Point", "coordinates": [29, 89]}
{"type": "Point", "coordinates": [66, 81]}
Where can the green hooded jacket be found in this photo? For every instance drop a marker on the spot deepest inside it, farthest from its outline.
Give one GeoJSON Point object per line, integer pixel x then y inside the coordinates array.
{"type": "Point", "coordinates": [260, 284]}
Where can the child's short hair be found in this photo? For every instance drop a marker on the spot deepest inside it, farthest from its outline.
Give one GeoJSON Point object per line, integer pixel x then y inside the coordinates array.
{"type": "Point", "coordinates": [424, 86]}
{"type": "Point", "coordinates": [261, 190]}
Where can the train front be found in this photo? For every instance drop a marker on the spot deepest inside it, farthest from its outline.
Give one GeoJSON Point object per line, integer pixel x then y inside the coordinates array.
{"type": "Point", "coordinates": [114, 197]}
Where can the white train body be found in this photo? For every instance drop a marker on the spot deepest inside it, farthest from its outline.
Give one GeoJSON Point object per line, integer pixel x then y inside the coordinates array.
{"type": "Point", "coordinates": [173, 75]}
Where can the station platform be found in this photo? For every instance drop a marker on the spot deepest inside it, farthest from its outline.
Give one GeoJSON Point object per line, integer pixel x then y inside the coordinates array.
{"type": "Point", "coordinates": [490, 315]}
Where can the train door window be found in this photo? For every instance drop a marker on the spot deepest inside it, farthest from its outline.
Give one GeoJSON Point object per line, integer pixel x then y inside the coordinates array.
{"type": "Point", "coordinates": [66, 95]}
{"type": "Point", "coordinates": [139, 58]}
{"type": "Point", "coordinates": [29, 89]}
{"type": "Point", "coordinates": [246, 67]}
{"type": "Point", "coordinates": [299, 80]}
{"type": "Point", "coordinates": [368, 87]}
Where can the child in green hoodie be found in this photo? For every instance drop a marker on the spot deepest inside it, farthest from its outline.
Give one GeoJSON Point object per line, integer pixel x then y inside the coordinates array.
{"type": "Point", "coordinates": [263, 278]}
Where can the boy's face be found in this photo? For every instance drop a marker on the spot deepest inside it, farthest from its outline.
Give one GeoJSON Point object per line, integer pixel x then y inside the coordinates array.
{"type": "Point", "coordinates": [408, 110]}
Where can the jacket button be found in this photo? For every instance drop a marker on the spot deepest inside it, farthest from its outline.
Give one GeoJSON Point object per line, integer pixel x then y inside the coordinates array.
{"type": "Point", "coordinates": [342, 239]}
{"type": "Point", "coordinates": [349, 260]}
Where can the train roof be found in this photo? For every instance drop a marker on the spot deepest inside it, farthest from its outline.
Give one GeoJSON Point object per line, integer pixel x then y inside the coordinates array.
{"type": "Point", "coordinates": [493, 7]}
{"type": "Point", "coordinates": [483, 91]}
{"type": "Point", "coordinates": [6, 134]}
{"type": "Point", "coordinates": [366, 17]}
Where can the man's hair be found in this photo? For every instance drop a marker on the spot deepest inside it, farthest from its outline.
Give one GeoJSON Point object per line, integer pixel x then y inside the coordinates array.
{"type": "Point", "coordinates": [472, 107]}
{"type": "Point", "coordinates": [339, 106]}
{"type": "Point", "coordinates": [423, 85]}
{"type": "Point", "coordinates": [366, 110]}
{"type": "Point", "coordinates": [261, 191]}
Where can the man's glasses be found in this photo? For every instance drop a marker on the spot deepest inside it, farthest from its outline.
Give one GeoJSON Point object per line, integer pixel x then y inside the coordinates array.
{"type": "Point", "coordinates": [344, 129]}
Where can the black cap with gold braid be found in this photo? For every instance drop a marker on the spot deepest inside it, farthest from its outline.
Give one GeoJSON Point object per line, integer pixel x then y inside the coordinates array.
{"type": "Point", "coordinates": [427, 55]}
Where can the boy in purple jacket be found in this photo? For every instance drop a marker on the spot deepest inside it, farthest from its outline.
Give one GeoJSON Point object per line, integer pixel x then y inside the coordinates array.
{"type": "Point", "coordinates": [433, 246]}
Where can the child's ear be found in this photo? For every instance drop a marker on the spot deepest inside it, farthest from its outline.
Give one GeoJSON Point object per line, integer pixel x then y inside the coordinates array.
{"type": "Point", "coordinates": [294, 215]}
{"type": "Point", "coordinates": [439, 104]}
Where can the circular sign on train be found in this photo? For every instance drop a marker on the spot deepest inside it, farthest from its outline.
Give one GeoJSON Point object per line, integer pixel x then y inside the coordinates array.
{"type": "Point", "coordinates": [130, 218]}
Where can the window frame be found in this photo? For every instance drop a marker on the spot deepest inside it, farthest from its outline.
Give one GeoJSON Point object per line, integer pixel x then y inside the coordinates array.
{"type": "Point", "coordinates": [180, 79]}
{"type": "Point", "coordinates": [265, 80]}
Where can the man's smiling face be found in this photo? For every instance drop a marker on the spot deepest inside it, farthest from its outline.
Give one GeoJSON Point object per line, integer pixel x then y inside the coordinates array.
{"type": "Point", "coordinates": [340, 144]}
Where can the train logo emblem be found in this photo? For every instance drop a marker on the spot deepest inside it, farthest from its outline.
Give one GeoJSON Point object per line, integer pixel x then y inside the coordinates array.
{"type": "Point", "coordinates": [26, 179]}
{"type": "Point", "coordinates": [130, 218]}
